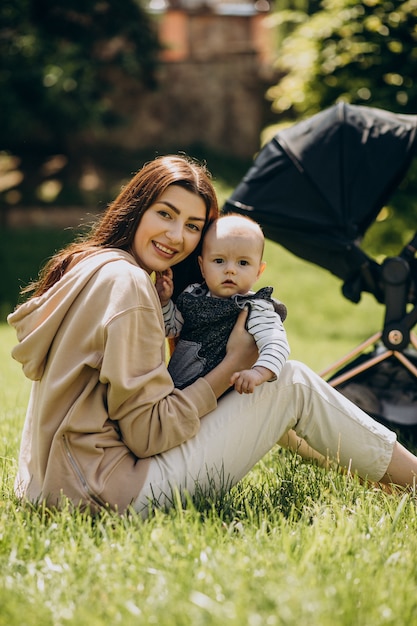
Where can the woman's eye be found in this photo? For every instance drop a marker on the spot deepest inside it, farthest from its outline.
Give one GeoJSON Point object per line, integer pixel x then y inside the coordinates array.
{"type": "Point", "coordinates": [163, 213]}
{"type": "Point", "coordinates": [194, 228]}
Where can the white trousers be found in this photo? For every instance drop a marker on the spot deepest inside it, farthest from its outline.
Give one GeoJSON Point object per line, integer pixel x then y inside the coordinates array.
{"type": "Point", "coordinates": [241, 430]}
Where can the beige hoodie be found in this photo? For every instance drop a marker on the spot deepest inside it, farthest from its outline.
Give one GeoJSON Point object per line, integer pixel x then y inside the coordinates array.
{"type": "Point", "coordinates": [102, 401]}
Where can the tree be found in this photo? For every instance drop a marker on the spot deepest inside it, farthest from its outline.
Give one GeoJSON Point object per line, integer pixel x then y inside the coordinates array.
{"type": "Point", "coordinates": [364, 53]}
{"type": "Point", "coordinates": [359, 52]}
{"type": "Point", "coordinates": [60, 63]}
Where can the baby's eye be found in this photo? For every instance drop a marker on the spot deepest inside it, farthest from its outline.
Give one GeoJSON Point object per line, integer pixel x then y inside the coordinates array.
{"type": "Point", "coordinates": [218, 261]}
{"type": "Point", "coordinates": [243, 262]}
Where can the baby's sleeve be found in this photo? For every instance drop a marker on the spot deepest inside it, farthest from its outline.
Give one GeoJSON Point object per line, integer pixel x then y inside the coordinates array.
{"type": "Point", "coordinates": [269, 333]}
{"type": "Point", "coordinates": [173, 320]}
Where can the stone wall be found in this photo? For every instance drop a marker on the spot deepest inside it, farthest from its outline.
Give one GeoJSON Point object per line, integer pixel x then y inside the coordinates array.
{"type": "Point", "coordinates": [212, 80]}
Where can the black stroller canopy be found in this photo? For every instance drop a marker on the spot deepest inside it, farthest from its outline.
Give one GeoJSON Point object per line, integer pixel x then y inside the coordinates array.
{"type": "Point", "coordinates": [315, 189]}
{"type": "Point", "coordinates": [318, 185]}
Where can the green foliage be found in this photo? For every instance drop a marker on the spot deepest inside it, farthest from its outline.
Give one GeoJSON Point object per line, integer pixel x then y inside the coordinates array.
{"type": "Point", "coordinates": [359, 52]}
{"type": "Point", "coordinates": [62, 68]}
{"type": "Point", "coordinates": [363, 53]}
{"type": "Point", "coordinates": [60, 61]}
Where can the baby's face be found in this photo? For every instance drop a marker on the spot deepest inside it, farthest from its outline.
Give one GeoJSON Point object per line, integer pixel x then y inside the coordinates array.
{"type": "Point", "coordinates": [231, 264]}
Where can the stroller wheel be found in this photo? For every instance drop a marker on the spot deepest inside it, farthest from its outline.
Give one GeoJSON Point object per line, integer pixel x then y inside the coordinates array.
{"type": "Point", "coordinates": [396, 412]}
{"type": "Point", "coordinates": [363, 397]}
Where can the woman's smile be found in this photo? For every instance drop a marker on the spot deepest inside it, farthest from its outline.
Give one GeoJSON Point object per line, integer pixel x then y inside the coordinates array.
{"type": "Point", "coordinates": [169, 230]}
{"type": "Point", "coordinates": [164, 249]}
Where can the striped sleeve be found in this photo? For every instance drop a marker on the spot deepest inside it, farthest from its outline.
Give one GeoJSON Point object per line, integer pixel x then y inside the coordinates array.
{"type": "Point", "coordinates": [269, 333]}
{"type": "Point", "coordinates": [173, 319]}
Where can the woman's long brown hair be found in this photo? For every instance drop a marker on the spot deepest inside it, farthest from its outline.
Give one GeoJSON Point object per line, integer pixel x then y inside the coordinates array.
{"type": "Point", "coordinates": [117, 226]}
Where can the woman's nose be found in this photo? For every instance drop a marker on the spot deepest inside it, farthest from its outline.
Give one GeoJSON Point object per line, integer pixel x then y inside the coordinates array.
{"type": "Point", "coordinates": [175, 234]}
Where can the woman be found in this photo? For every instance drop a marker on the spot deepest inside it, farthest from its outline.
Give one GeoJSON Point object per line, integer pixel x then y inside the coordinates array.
{"type": "Point", "coordinates": [105, 426]}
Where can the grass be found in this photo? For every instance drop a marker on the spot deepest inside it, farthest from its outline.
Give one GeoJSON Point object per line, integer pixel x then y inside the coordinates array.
{"type": "Point", "coordinates": [22, 253]}
{"type": "Point", "coordinates": [292, 544]}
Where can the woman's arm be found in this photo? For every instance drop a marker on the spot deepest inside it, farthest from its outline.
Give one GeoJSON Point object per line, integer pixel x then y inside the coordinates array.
{"type": "Point", "coordinates": [241, 353]}
{"type": "Point", "coordinates": [140, 396]}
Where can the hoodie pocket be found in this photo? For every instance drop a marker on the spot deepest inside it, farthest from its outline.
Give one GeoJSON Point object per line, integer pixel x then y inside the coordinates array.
{"type": "Point", "coordinates": [89, 493]}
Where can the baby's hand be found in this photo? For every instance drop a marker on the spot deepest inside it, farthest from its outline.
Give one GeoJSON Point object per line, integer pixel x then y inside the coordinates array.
{"type": "Point", "coordinates": [246, 380]}
{"type": "Point", "coordinates": [164, 285]}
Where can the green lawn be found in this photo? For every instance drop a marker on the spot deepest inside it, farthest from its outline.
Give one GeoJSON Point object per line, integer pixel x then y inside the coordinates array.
{"type": "Point", "coordinates": [291, 545]}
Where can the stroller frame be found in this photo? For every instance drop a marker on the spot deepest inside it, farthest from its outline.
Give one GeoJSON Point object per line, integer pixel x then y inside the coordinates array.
{"type": "Point", "coordinates": [385, 353]}
{"type": "Point", "coordinates": [397, 339]}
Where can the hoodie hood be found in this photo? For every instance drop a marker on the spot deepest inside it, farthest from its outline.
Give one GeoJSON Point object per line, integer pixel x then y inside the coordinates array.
{"type": "Point", "coordinates": [36, 321]}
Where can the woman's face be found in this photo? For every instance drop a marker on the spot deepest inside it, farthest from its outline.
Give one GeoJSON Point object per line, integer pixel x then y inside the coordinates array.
{"type": "Point", "coordinates": [170, 229]}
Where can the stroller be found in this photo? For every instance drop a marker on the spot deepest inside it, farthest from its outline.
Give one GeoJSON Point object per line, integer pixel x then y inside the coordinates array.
{"type": "Point", "coordinates": [315, 188]}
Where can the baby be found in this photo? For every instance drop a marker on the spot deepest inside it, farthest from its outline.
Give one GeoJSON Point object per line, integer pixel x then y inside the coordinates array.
{"type": "Point", "coordinates": [204, 314]}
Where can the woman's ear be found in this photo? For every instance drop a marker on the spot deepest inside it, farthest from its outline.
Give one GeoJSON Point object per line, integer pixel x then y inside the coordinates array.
{"type": "Point", "coordinates": [262, 267]}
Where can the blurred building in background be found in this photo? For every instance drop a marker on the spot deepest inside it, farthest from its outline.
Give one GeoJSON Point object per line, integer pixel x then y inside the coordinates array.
{"type": "Point", "coordinates": [214, 70]}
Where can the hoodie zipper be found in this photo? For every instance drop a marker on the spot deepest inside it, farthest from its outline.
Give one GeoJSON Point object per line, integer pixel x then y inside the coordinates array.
{"type": "Point", "coordinates": [93, 496]}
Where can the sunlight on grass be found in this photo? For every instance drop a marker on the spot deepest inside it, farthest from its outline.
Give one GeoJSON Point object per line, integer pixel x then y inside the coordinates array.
{"type": "Point", "coordinates": [14, 392]}
{"type": "Point", "coordinates": [291, 544]}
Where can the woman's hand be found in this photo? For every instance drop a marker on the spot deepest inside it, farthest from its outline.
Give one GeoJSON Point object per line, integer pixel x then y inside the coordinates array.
{"type": "Point", "coordinates": [241, 353]}
{"type": "Point", "coordinates": [241, 345]}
